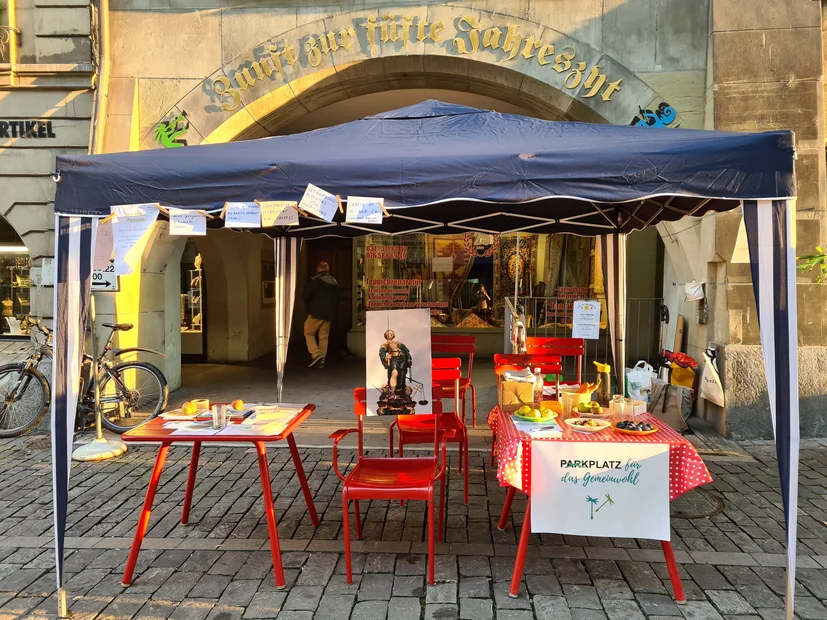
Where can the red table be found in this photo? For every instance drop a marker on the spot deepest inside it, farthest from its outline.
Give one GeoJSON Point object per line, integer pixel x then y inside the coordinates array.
{"type": "Point", "coordinates": [513, 450]}
{"type": "Point", "coordinates": [154, 431]}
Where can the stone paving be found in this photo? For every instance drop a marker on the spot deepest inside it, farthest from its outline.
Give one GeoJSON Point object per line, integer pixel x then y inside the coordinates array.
{"type": "Point", "coordinates": [219, 567]}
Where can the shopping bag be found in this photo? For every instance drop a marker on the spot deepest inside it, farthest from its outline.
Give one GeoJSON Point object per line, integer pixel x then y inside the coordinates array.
{"type": "Point", "coordinates": [682, 376]}
{"type": "Point", "coordinates": [671, 404]}
{"type": "Point", "coordinates": [711, 388]}
{"type": "Point", "coordinates": [639, 381]}
{"type": "Point", "coordinates": [694, 291]}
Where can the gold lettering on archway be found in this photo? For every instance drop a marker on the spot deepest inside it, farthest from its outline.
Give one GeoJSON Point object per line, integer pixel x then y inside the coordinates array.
{"type": "Point", "coordinates": [398, 31]}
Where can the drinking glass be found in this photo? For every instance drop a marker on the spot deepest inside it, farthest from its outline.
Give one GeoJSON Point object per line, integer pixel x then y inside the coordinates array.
{"type": "Point", "coordinates": [618, 407]}
{"type": "Point", "coordinates": [219, 416]}
{"type": "Point", "coordinates": [629, 409]}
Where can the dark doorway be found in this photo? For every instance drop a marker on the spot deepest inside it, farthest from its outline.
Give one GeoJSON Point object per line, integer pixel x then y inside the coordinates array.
{"type": "Point", "coordinates": [338, 253]}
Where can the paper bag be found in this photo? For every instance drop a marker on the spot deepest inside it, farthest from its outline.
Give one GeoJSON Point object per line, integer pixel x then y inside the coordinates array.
{"type": "Point", "coordinates": [512, 392]}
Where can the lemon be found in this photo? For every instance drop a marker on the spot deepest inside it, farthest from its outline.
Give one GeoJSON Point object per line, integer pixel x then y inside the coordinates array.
{"type": "Point", "coordinates": [189, 408]}
{"type": "Point", "coordinates": [238, 404]}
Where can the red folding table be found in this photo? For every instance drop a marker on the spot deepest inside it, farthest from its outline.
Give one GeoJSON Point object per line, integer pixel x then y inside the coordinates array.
{"type": "Point", "coordinates": [154, 431]}
{"type": "Point", "coordinates": [513, 449]}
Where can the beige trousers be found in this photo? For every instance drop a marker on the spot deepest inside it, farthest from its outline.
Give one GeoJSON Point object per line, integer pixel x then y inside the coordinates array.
{"type": "Point", "coordinates": [312, 328]}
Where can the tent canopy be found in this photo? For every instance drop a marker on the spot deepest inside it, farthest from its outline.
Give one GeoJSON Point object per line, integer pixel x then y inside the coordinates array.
{"type": "Point", "coordinates": [499, 172]}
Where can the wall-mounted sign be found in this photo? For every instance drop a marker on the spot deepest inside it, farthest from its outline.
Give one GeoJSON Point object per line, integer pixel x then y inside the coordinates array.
{"type": "Point", "coordinates": [105, 279]}
{"type": "Point", "coordinates": [26, 129]}
{"type": "Point", "coordinates": [169, 133]}
{"type": "Point", "coordinates": [664, 116]}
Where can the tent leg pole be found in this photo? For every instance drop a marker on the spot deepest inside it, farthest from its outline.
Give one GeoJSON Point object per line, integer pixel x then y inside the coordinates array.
{"type": "Point", "coordinates": [62, 610]}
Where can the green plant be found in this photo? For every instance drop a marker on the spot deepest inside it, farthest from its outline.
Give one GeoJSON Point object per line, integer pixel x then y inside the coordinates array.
{"type": "Point", "coordinates": [812, 261]}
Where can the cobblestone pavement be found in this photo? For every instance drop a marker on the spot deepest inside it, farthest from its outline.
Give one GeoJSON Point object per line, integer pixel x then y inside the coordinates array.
{"type": "Point", "coordinates": [219, 567]}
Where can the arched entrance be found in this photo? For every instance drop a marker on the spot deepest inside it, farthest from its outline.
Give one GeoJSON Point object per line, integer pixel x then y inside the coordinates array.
{"type": "Point", "coordinates": [320, 74]}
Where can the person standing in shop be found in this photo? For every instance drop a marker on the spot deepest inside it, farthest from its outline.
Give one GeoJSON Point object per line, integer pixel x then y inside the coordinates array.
{"type": "Point", "coordinates": [322, 298]}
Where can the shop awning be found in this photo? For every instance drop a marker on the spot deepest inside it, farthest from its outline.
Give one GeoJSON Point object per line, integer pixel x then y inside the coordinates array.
{"type": "Point", "coordinates": [446, 168]}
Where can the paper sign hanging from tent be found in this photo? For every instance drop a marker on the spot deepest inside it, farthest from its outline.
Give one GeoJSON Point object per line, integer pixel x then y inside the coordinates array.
{"type": "Point", "coordinates": [318, 202]}
{"type": "Point", "coordinates": [242, 215]}
{"type": "Point", "coordinates": [278, 213]}
{"type": "Point", "coordinates": [130, 231]}
{"type": "Point", "coordinates": [187, 223]}
{"type": "Point", "coordinates": [361, 210]}
{"type": "Point", "coordinates": [103, 246]}
{"type": "Point", "coordinates": [618, 490]}
{"type": "Point", "coordinates": [585, 321]}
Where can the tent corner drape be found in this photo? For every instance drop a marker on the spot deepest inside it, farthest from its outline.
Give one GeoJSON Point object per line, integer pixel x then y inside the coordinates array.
{"type": "Point", "coordinates": [74, 245]}
{"type": "Point", "coordinates": [613, 257]}
{"type": "Point", "coordinates": [770, 226]}
{"type": "Point", "coordinates": [286, 250]}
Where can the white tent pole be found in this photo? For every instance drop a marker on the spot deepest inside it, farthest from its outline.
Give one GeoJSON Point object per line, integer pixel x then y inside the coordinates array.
{"type": "Point", "coordinates": [620, 308]}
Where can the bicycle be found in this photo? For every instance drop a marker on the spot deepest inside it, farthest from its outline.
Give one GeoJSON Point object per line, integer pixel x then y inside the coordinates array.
{"type": "Point", "coordinates": [131, 392]}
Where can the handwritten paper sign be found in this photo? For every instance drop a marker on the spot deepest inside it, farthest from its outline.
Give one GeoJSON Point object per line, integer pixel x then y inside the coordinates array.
{"type": "Point", "coordinates": [363, 210]}
{"type": "Point", "coordinates": [278, 213]}
{"type": "Point", "coordinates": [242, 215]}
{"type": "Point", "coordinates": [586, 319]}
{"type": "Point", "coordinates": [104, 244]}
{"type": "Point", "coordinates": [319, 202]}
{"type": "Point", "coordinates": [187, 223]}
{"type": "Point", "coordinates": [130, 231]}
{"type": "Point", "coordinates": [600, 489]}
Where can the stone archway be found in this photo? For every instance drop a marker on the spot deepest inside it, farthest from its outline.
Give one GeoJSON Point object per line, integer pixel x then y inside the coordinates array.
{"type": "Point", "coordinates": [369, 51]}
{"type": "Point", "coordinates": [524, 63]}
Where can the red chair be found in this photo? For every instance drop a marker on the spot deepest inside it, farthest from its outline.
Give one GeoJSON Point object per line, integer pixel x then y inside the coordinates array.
{"type": "Point", "coordinates": [564, 347]}
{"type": "Point", "coordinates": [410, 478]}
{"type": "Point", "coordinates": [548, 365]}
{"type": "Point", "coordinates": [459, 345]}
{"type": "Point", "coordinates": [419, 428]}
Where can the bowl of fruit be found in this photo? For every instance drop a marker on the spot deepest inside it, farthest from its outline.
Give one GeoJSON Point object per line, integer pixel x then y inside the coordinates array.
{"type": "Point", "coordinates": [631, 427]}
{"type": "Point", "coordinates": [588, 425]}
{"type": "Point", "coordinates": [543, 415]}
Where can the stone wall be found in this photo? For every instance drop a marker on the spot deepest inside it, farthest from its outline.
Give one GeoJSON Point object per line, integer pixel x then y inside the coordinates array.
{"type": "Point", "coordinates": [51, 82]}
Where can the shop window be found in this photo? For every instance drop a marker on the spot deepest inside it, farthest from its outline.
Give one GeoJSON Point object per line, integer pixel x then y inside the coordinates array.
{"type": "Point", "coordinates": [192, 302]}
{"type": "Point", "coordinates": [15, 286]}
{"type": "Point", "coordinates": [463, 279]}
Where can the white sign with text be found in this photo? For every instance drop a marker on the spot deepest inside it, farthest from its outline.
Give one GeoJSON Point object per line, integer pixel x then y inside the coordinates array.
{"type": "Point", "coordinates": [618, 490]}
{"type": "Point", "coordinates": [104, 245]}
{"type": "Point", "coordinates": [586, 319]}
{"type": "Point", "coordinates": [361, 210]}
{"type": "Point", "coordinates": [278, 213]}
{"type": "Point", "coordinates": [242, 215]}
{"type": "Point", "coordinates": [184, 222]}
{"type": "Point", "coordinates": [319, 202]}
{"type": "Point", "coordinates": [130, 231]}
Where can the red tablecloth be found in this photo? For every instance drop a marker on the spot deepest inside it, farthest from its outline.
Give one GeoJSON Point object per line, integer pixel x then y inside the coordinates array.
{"type": "Point", "coordinates": [686, 468]}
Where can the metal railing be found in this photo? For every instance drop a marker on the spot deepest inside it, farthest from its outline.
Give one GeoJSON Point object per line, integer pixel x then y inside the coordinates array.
{"type": "Point", "coordinates": [550, 317]}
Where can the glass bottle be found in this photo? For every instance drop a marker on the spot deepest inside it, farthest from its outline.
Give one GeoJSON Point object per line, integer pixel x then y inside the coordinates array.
{"type": "Point", "coordinates": [538, 388]}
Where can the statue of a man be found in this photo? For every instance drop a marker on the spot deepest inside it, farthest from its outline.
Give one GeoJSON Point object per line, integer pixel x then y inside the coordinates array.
{"type": "Point", "coordinates": [396, 358]}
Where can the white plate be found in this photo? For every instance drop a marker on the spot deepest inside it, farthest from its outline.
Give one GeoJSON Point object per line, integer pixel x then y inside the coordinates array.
{"type": "Point", "coordinates": [603, 425]}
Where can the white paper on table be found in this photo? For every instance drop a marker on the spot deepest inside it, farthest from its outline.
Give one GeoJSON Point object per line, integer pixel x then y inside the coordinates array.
{"type": "Point", "coordinates": [319, 202]}
{"type": "Point", "coordinates": [362, 210]}
{"type": "Point", "coordinates": [130, 231]}
{"type": "Point", "coordinates": [268, 413]}
{"type": "Point", "coordinates": [600, 488]}
{"type": "Point", "coordinates": [188, 428]}
{"type": "Point", "coordinates": [278, 213]}
{"type": "Point", "coordinates": [103, 246]}
{"type": "Point", "coordinates": [268, 428]}
{"type": "Point", "coordinates": [242, 215]}
{"type": "Point", "coordinates": [187, 223]}
{"type": "Point", "coordinates": [540, 431]}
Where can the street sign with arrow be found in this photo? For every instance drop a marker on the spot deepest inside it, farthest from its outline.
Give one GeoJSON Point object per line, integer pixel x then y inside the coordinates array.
{"type": "Point", "coordinates": [105, 279]}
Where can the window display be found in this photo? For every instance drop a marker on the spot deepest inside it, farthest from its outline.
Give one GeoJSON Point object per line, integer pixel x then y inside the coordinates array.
{"type": "Point", "coordinates": [14, 290]}
{"type": "Point", "coordinates": [464, 278]}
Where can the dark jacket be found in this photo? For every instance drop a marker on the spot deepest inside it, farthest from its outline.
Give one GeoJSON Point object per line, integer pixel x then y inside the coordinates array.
{"type": "Point", "coordinates": [322, 297]}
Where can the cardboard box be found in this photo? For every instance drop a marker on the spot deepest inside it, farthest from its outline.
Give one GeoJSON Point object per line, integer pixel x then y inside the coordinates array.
{"type": "Point", "coordinates": [511, 392]}
{"type": "Point", "coordinates": [640, 407]}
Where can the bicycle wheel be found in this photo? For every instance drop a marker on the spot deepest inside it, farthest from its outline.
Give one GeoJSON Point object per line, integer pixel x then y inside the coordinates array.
{"type": "Point", "coordinates": [130, 394]}
{"type": "Point", "coordinates": [24, 399]}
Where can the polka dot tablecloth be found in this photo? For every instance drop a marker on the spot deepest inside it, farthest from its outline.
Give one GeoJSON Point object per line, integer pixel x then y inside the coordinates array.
{"type": "Point", "coordinates": [513, 450]}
